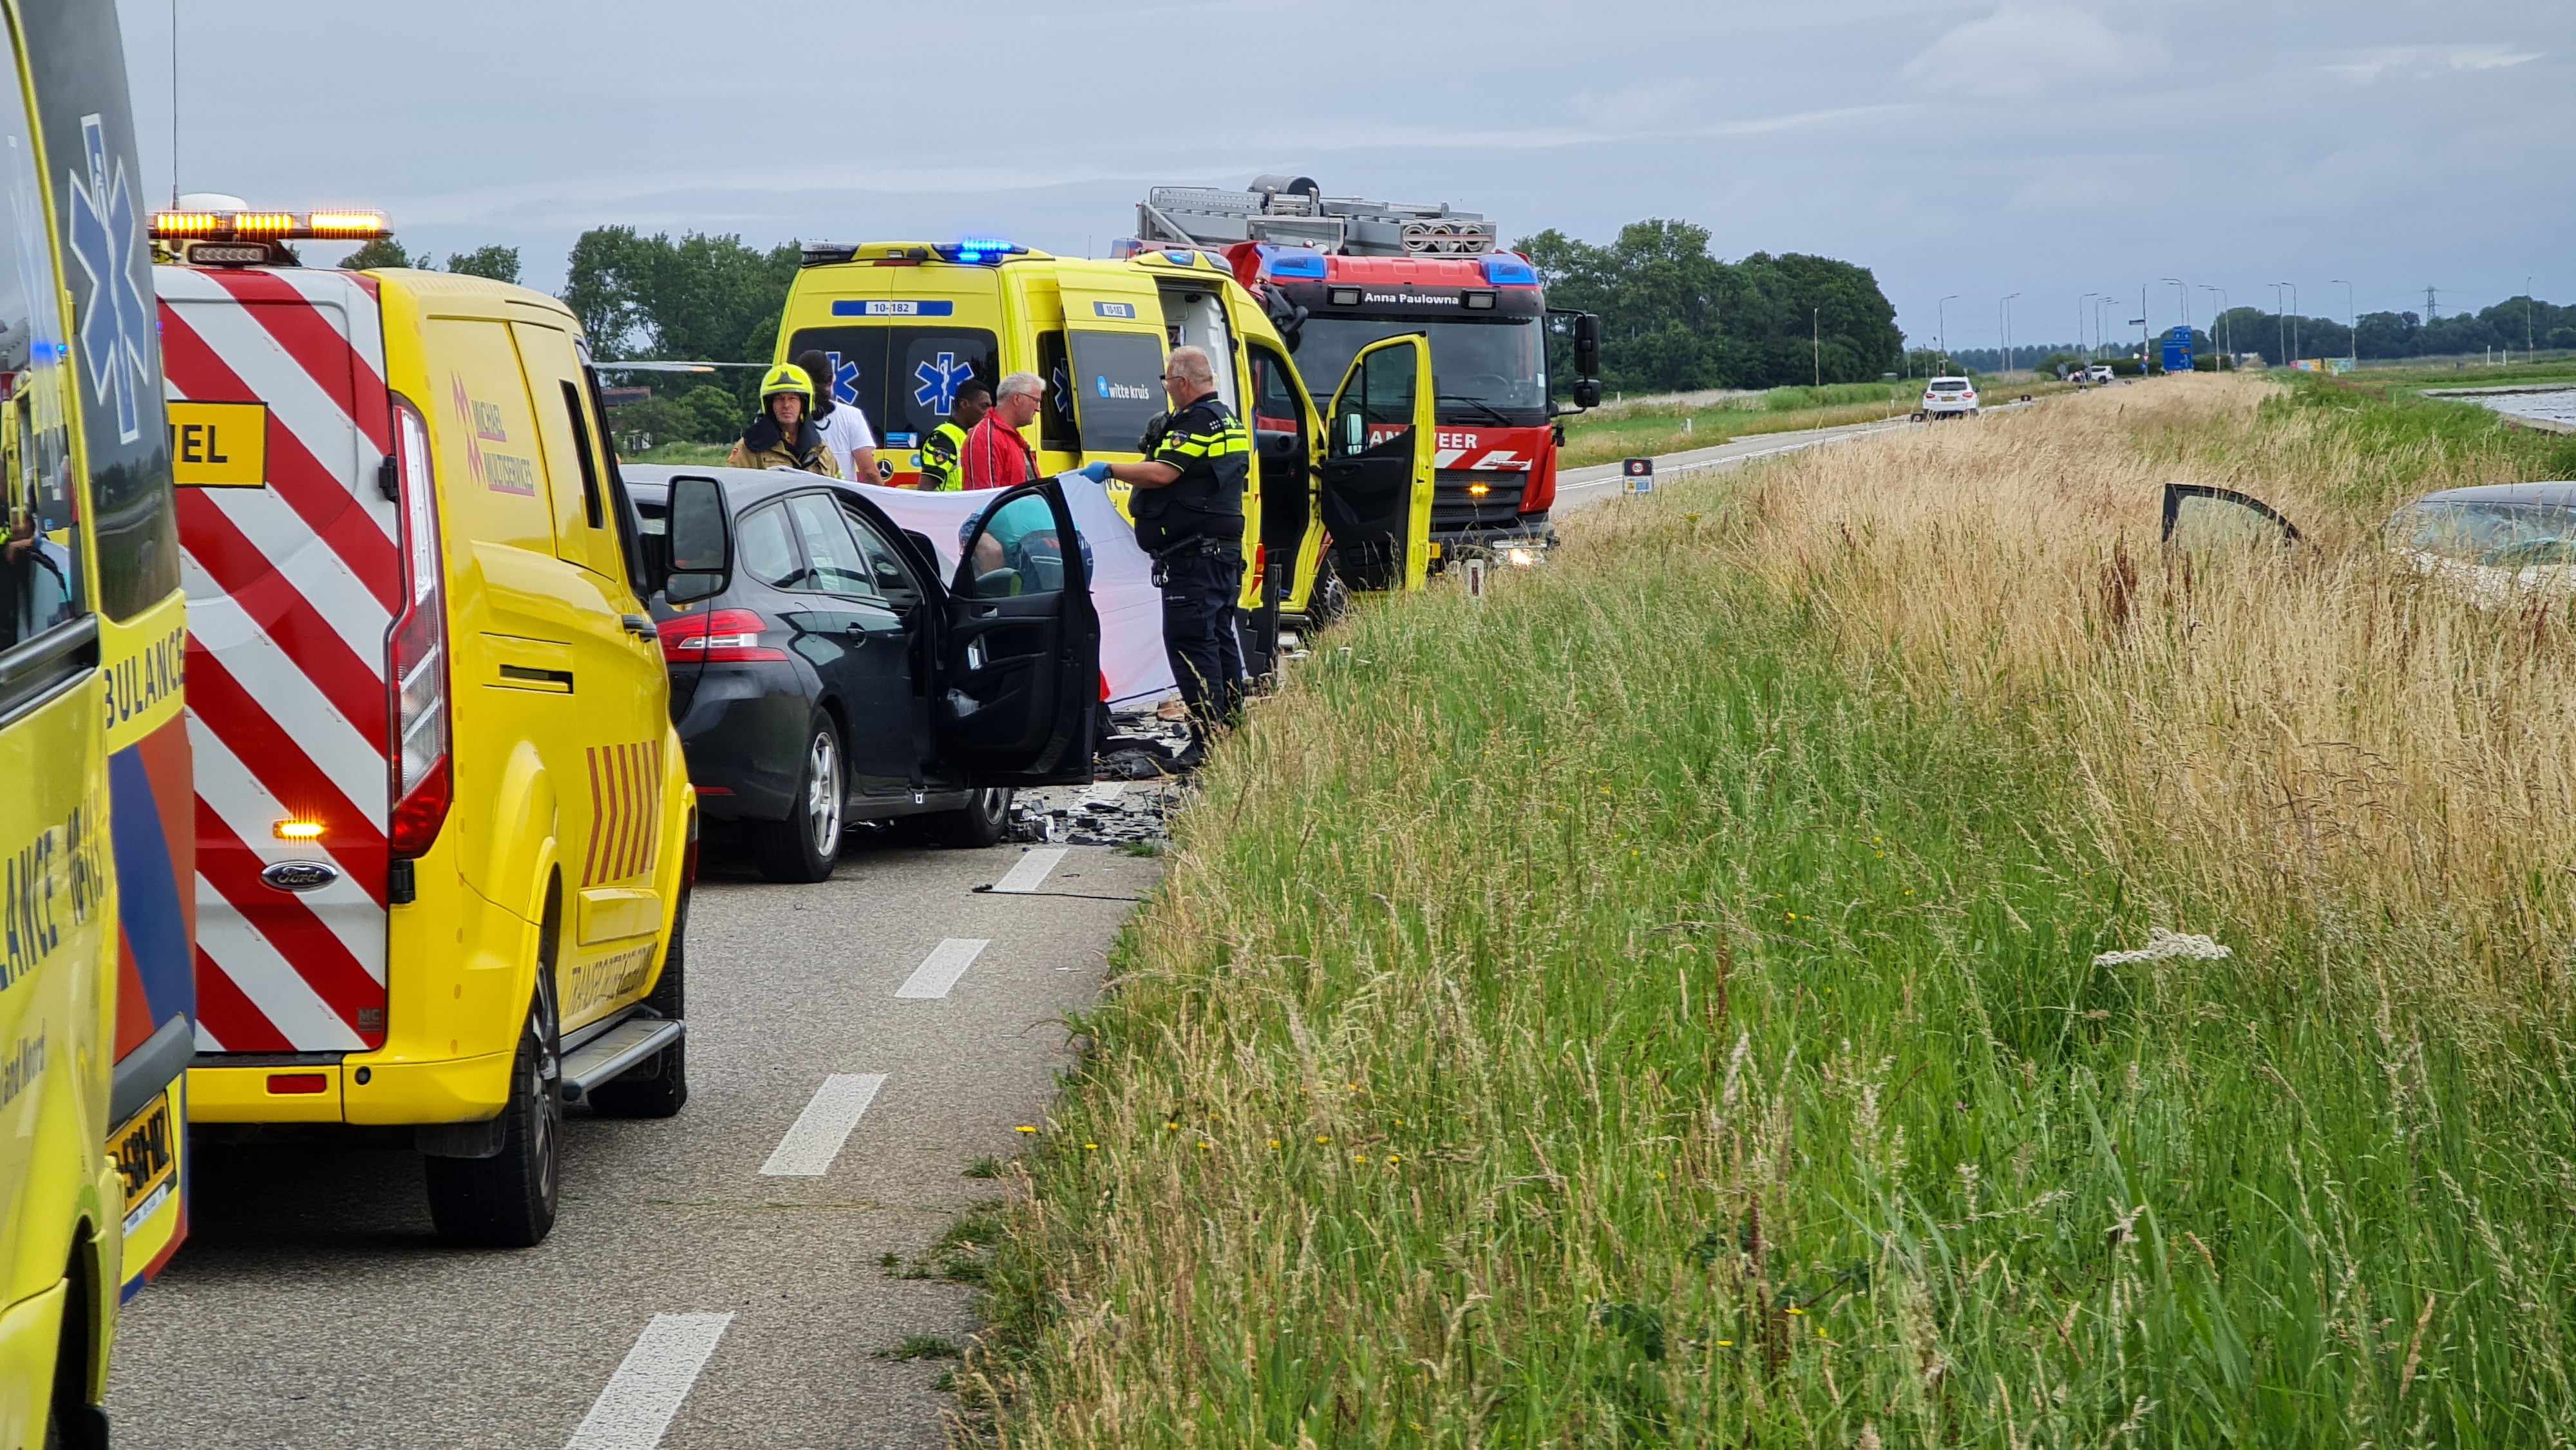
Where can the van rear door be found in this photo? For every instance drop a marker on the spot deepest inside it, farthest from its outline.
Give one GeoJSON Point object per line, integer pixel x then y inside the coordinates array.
{"type": "Point", "coordinates": [1114, 341]}
{"type": "Point", "coordinates": [1379, 463]}
{"type": "Point", "coordinates": [290, 553]}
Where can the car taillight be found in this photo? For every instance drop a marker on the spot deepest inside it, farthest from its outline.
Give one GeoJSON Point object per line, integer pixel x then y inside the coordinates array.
{"type": "Point", "coordinates": [420, 782]}
{"type": "Point", "coordinates": [718, 635]}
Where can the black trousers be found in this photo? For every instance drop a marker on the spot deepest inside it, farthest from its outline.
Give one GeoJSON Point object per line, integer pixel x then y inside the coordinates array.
{"type": "Point", "coordinates": [1199, 589]}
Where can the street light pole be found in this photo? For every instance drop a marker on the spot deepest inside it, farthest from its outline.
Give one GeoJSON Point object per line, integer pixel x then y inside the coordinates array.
{"type": "Point", "coordinates": [2144, 345]}
{"type": "Point", "coordinates": [1941, 327]}
{"type": "Point", "coordinates": [2185, 289]}
{"type": "Point", "coordinates": [2101, 329]}
{"type": "Point", "coordinates": [2294, 320]}
{"type": "Point", "coordinates": [2352, 311]}
{"type": "Point", "coordinates": [2280, 326]}
{"type": "Point", "coordinates": [2219, 317]}
{"type": "Point", "coordinates": [2527, 348]}
{"type": "Point", "coordinates": [2004, 310]}
{"type": "Point", "coordinates": [2086, 352]}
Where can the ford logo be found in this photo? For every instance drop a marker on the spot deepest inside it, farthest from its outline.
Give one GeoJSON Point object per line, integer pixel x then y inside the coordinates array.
{"type": "Point", "coordinates": [300, 875]}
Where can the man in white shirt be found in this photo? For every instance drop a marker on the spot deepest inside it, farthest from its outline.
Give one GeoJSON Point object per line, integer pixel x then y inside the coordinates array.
{"type": "Point", "coordinates": [842, 424]}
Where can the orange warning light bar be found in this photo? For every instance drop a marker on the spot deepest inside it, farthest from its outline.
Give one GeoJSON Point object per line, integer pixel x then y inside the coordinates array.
{"type": "Point", "coordinates": [280, 226]}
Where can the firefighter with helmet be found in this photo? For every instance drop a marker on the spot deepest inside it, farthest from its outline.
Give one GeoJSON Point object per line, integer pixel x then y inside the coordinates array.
{"type": "Point", "coordinates": [784, 435]}
{"type": "Point", "coordinates": [1188, 506]}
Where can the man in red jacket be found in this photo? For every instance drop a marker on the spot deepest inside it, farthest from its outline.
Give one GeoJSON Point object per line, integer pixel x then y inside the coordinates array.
{"type": "Point", "coordinates": [995, 455]}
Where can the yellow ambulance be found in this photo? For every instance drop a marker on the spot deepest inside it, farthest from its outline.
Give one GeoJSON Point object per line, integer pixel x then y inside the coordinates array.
{"type": "Point", "coordinates": [445, 829]}
{"type": "Point", "coordinates": [904, 324]}
{"type": "Point", "coordinates": [94, 946]}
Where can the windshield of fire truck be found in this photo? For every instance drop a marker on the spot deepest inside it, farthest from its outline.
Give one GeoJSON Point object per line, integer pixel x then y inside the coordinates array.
{"type": "Point", "coordinates": [1500, 364]}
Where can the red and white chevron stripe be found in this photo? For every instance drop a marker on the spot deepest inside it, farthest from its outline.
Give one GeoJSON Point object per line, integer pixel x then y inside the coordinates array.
{"type": "Point", "coordinates": [290, 590]}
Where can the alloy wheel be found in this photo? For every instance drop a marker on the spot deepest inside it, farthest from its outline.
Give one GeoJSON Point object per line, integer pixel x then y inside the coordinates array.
{"type": "Point", "coordinates": [823, 795]}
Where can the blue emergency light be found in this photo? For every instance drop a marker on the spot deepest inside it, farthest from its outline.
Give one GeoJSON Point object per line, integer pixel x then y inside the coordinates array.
{"type": "Point", "coordinates": [1504, 270]}
{"type": "Point", "coordinates": [1300, 262]}
{"type": "Point", "coordinates": [974, 250]}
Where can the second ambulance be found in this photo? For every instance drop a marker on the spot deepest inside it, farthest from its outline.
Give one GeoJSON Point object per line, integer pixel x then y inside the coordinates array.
{"type": "Point", "coordinates": [444, 831]}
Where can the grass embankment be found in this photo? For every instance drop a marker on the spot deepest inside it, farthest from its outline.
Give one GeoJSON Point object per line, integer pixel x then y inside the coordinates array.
{"type": "Point", "coordinates": [1684, 1026]}
{"type": "Point", "coordinates": [1651, 430]}
{"type": "Point", "coordinates": [2473, 376]}
{"type": "Point", "coordinates": [686, 455]}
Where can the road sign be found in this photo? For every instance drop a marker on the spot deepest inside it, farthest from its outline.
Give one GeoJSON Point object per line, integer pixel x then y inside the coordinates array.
{"type": "Point", "coordinates": [2178, 350]}
{"type": "Point", "coordinates": [1636, 475]}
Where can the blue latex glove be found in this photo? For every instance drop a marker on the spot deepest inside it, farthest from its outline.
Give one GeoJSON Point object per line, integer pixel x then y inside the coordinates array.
{"type": "Point", "coordinates": [1096, 472]}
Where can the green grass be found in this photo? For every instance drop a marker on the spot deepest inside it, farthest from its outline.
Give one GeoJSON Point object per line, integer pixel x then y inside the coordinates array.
{"type": "Point", "coordinates": [2547, 371]}
{"type": "Point", "coordinates": [1691, 1037]}
{"type": "Point", "coordinates": [921, 1346]}
{"type": "Point", "coordinates": [684, 454]}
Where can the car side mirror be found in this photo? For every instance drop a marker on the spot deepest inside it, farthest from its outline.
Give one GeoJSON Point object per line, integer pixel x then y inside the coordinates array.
{"type": "Point", "coordinates": [928, 551]}
{"type": "Point", "coordinates": [1587, 350]}
{"type": "Point", "coordinates": [1587, 392]}
{"type": "Point", "coordinates": [1289, 318]}
{"type": "Point", "coordinates": [699, 534]}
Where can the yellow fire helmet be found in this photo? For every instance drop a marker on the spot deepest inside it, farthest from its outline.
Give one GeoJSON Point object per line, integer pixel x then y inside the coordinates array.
{"type": "Point", "coordinates": [787, 378]}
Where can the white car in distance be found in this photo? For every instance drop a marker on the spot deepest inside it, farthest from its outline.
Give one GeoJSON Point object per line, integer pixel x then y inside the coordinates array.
{"type": "Point", "coordinates": [1949, 398]}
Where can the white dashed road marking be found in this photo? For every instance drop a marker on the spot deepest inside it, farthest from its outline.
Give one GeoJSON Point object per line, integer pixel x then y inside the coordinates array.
{"type": "Point", "coordinates": [810, 1146]}
{"type": "Point", "coordinates": [656, 1375]}
{"type": "Point", "coordinates": [1030, 872]}
{"type": "Point", "coordinates": [940, 970]}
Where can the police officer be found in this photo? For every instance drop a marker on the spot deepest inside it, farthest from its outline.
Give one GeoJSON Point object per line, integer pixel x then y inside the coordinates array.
{"type": "Point", "coordinates": [1188, 506]}
{"type": "Point", "coordinates": [940, 470]}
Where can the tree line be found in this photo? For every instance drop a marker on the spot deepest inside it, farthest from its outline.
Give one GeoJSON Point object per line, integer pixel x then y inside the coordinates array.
{"type": "Point", "coordinates": [2516, 323]}
{"type": "Point", "coordinates": [1675, 318]}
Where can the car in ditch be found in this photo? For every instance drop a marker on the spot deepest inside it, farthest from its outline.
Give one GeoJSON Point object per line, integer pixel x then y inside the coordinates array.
{"type": "Point", "coordinates": [2500, 543]}
{"type": "Point", "coordinates": [823, 674]}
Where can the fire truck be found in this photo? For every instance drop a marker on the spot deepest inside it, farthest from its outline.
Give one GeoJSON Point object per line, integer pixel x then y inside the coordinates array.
{"type": "Point", "coordinates": [1338, 273]}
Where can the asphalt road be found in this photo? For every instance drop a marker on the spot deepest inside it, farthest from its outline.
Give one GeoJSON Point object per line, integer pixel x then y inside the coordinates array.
{"type": "Point", "coordinates": [1582, 488]}
{"type": "Point", "coordinates": [313, 1307]}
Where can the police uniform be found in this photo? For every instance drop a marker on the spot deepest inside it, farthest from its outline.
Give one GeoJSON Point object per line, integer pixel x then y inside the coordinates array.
{"type": "Point", "coordinates": [939, 454]}
{"type": "Point", "coordinates": [1193, 526]}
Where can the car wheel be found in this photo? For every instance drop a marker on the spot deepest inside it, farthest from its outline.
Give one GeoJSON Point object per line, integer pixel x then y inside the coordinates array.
{"type": "Point", "coordinates": [804, 847]}
{"type": "Point", "coordinates": [507, 1201]}
{"type": "Point", "coordinates": [658, 1087]}
{"type": "Point", "coordinates": [987, 815]}
{"type": "Point", "coordinates": [1330, 599]}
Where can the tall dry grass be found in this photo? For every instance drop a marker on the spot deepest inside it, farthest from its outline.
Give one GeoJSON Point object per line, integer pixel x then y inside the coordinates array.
{"type": "Point", "coordinates": [2311, 743]}
{"type": "Point", "coordinates": [1664, 1003]}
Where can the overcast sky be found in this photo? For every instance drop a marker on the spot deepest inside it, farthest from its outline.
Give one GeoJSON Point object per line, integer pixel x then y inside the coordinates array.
{"type": "Point", "coordinates": [2033, 146]}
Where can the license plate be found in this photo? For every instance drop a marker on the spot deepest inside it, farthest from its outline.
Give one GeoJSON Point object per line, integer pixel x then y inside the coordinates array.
{"type": "Point", "coordinates": [146, 1154]}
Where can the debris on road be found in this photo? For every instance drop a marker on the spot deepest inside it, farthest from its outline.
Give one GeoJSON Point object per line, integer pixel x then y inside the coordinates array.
{"type": "Point", "coordinates": [1138, 786]}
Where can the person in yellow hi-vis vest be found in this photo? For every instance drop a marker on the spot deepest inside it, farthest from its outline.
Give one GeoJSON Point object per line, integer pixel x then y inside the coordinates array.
{"type": "Point", "coordinates": [947, 442]}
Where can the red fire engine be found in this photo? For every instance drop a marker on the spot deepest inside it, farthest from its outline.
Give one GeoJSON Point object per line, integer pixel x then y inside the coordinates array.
{"type": "Point", "coordinates": [1338, 273]}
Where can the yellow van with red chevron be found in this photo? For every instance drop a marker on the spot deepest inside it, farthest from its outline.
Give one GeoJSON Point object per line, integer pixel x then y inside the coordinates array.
{"type": "Point", "coordinates": [444, 825]}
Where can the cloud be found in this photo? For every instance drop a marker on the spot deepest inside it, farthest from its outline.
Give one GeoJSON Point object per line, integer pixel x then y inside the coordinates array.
{"type": "Point", "coordinates": [2420, 60]}
{"type": "Point", "coordinates": [2027, 50]}
{"type": "Point", "coordinates": [1632, 107]}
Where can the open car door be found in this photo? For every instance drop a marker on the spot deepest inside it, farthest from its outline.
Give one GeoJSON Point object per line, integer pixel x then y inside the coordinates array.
{"type": "Point", "coordinates": [1378, 466]}
{"type": "Point", "coordinates": [1020, 663]}
{"type": "Point", "coordinates": [2203, 518]}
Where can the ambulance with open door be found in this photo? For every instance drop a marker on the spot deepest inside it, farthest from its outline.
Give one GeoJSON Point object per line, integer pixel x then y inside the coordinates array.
{"type": "Point", "coordinates": [1341, 497]}
{"type": "Point", "coordinates": [444, 827]}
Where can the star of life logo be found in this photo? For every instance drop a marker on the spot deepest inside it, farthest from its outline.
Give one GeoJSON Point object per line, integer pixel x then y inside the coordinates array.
{"type": "Point", "coordinates": [845, 378]}
{"type": "Point", "coordinates": [940, 378]}
{"type": "Point", "coordinates": [116, 324]}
